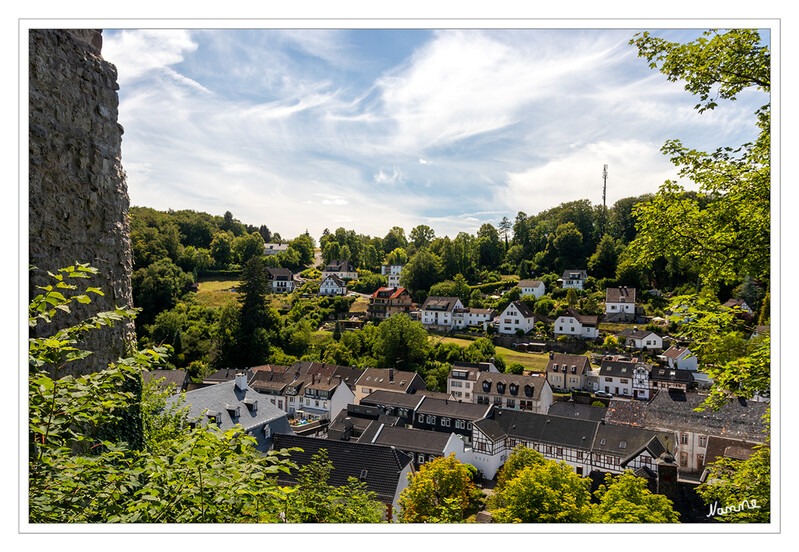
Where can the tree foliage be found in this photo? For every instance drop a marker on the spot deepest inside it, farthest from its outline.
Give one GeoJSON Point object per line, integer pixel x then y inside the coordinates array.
{"type": "Point", "coordinates": [626, 499]}
{"type": "Point", "coordinates": [442, 491]}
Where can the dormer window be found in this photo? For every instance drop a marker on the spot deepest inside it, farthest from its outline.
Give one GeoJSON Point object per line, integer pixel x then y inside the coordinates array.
{"type": "Point", "coordinates": [500, 387]}
{"type": "Point", "coordinates": [528, 390]}
{"type": "Point", "coordinates": [234, 411]}
{"type": "Point", "coordinates": [554, 367]}
{"type": "Point", "coordinates": [574, 369]}
{"type": "Point", "coordinates": [514, 389]}
{"type": "Point", "coordinates": [487, 386]}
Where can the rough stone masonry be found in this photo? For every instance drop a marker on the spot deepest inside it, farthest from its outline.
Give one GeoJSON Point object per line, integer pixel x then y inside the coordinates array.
{"type": "Point", "coordinates": [78, 198]}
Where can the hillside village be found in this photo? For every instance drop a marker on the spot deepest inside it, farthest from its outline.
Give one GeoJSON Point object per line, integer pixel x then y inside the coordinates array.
{"type": "Point", "coordinates": [631, 406]}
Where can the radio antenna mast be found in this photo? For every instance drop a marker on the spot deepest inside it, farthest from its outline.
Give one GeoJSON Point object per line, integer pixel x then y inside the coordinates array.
{"type": "Point", "coordinates": [604, 185]}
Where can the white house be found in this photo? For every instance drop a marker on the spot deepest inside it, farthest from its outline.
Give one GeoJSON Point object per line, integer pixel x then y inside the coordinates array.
{"type": "Point", "coordinates": [641, 339]}
{"type": "Point", "coordinates": [342, 268]}
{"type": "Point", "coordinates": [574, 324]}
{"type": "Point", "coordinates": [462, 318]}
{"type": "Point", "coordinates": [625, 378]}
{"type": "Point", "coordinates": [392, 274]}
{"type": "Point", "coordinates": [620, 303]}
{"type": "Point", "coordinates": [437, 312]}
{"type": "Point", "coordinates": [516, 316]}
{"type": "Point", "coordinates": [574, 279]}
{"type": "Point", "coordinates": [680, 358]}
{"type": "Point", "coordinates": [531, 287]}
{"type": "Point", "coordinates": [333, 285]}
{"type": "Point", "coordinates": [463, 378]}
{"type": "Point", "coordinates": [282, 280]}
{"type": "Point", "coordinates": [275, 248]}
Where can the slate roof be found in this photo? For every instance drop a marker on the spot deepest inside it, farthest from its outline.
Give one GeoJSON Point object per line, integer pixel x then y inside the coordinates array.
{"type": "Point", "coordinates": [581, 363]}
{"type": "Point", "coordinates": [628, 442]}
{"type": "Point", "coordinates": [738, 419]}
{"type": "Point", "coordinates": [175, 379]}
{"type": "Point", "coordinates": [571, 409]}
{"type": "Point", "coordinates": [617, 368]}
{"type": "Point", "coordinates": [388, 378]}
{"type": "Point", "coordinates": [536, 383]}
{"type": "Point", "coordinates": [636, 334]}
{"type": "Point", "coordinates": [719, 447]}
{"type": "Point", "coordinates": [529, 283]}
{"type": "Point", "coordinates": [673, 375]}
{"type": "Point", "coordinates": [390, 398]}
{"type": "Point", "coordinates": [675, 351]}
{"type": "Point", "coordinates": [522, 307]}
{"type": "Point", "coordinates": [417, 440]}
{"type": "Point", "coordinates": [336, 280]}
{"type": "Point", "coordinates": [348, 374]}
{"type": "Point", "coordinates": [620, 295]}
{"type": "Point", "coordinates": [574, 275]}
{"type": "Point", "coordinates": [217, 398]}
{"type": "Point", "coordinates": [454, 409]}
{"type": "Point", "coordinates": [225, 374]}
{"type": "Point", "coordinates": [583, 319]}
{"type": "Point", "coordinates": [279, 273]}
{"type": "Point", "coordinates": [630, 413]}
{"type": "Point", "coordinates": [473, 369]}
{"type": "Point", "coordinates": [443, 304]}
{"type": "Point", "coordinates": [541, 428]}
{"type": "Point", "coordinates": [340, 265]}
{"type": "Point", "coordinates": [379, 467]}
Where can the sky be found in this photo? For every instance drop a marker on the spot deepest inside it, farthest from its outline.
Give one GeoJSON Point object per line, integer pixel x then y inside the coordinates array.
{"type": "Point", "coordinates": [307, 129]}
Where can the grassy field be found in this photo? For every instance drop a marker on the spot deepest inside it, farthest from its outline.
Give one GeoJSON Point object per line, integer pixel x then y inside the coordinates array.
{"type": "Point", "coordinates": [531, 361]}
{"type": "Point", "coordinates": [217, 292]}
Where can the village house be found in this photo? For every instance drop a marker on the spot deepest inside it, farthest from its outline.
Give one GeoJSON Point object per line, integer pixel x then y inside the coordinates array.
{"type": "Point", "coordinates": [357, 420]}
{"type": "Point", "coordinates": [388, 301]}
{"type": "Point", "coordinates": [235, 404]}
{"type": "Point", "coordinates": [568, 372]}
{"type": "Point", "coordinates": [462, 378]}
{"type": "Point", "coordinates": [400, 405]}
{"type": "Point", "coordinates": [333, 285]}
{"type": "Point", "coordinates": [383, 470]}
{"type": "Point", "coordinates": [627, 378]}
{"type": "Point", "coordinates": [387, 379]}
{"type": "Point", "coordinates": [449, 416]}
{"type": "Point", "coordinates": [739, 304]}
{"type": "Point", "coordinates": [516, 317]}
{"type": "Point", "coordinates": [437, 313]}
{"type": "Point", "coordinates": [680, 358]}
{"type": "Point", "coordinates": [173, 380]}
{"type": "Point", "coordinates": [640, 339]}
{"type": "Point", "coordinates": [281, 279]}
{"type": "Point", "coordinates": [304, 397]}
{"type": "Point", "coordinates": [574, 324]}
{"type": "Point", "coordinates": [342, 268]}
{"type": "Point", "coordinates": [513, 392]}
{"type": "Point", "coordinates": [393, 273]}
{"type": "Point", "coordinates": [275, 248]}
{"type": "Point", "coordinates": [574, 279]}
{"type": "Point", "coordinates": [421, 445]}
{"type": "Point", "coordinates": [620, 304]}
{"type": "Point", "coordinates": [585, 445]}
{"type": "Point", "coordinates": [535, 288]}
{"type": "Point", "coordinates": [663, 378]}
{"type": "Point", "coordinates": [465, 317]}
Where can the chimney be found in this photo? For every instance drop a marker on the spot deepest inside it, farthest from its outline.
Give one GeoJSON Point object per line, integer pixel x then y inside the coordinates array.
{"type": "Point", "coordinates": [391, 374]}
{"type": "Point", "coordinates": [241, 381]}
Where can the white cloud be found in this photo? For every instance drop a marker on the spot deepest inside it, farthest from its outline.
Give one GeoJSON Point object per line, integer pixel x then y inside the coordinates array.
{"type": "Point", "coordinates": [140, 51]}
{"type": "Point", "coordinates": [392, 178]}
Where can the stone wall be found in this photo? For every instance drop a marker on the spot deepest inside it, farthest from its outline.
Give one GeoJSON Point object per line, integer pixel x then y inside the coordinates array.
{"type": "Point", "coordinates": [78, 199]}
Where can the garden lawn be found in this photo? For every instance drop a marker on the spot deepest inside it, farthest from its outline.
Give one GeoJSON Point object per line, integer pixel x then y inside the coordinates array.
{"type": "Point", "coordinates": [531, 361]}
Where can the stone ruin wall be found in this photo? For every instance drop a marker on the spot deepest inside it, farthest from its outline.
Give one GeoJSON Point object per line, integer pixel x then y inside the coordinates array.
{"type": "Point", "coordinates": [78, 198]}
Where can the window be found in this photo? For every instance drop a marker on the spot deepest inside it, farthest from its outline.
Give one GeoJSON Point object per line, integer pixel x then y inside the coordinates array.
{"type": "Point", "coordinates": [267, 431]}
{"type": "Point", "coordinates": [514, 389]}
{"type": "Point", "coordinates": [431, 419]}
{"type": "Point", "coordinates": [421, 458]}
{"type": "Point", "coordinates": [487, 386]}
{"type": "Point", "coordinates": [683, 459]}
{"type": "Point", "coordinates": [420, 418]}
{"type": "Point", "coordinates": [445, 422]}
{"type": "Point", "coordinates": [702, 441]}
{"type": "Point", "coordinates": [500, 387]}
{"type": "Point", "coordinates": [683, 438]}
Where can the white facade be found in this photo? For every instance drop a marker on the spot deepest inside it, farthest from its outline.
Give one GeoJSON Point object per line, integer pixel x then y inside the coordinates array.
{"type": "Point", "coordinates": [392, 274]}
{"type": "Point", "coordinates": [680, 358]}
{"type": "Point", "coordinates": [572, 326]}
{"type": "Point", "coordinates": [441, 317]}
{"type": "Point", "coordinates": [516, 316]}
{"type": "Point", "coordinates": [282, 286]}
{"type": "Point", "coordinates": [532, 287]}
{"type": "Point", "coordinates": [329, 286]}
{"type": "Point", "coordinates": [650, 341]}
{"type": "Point", "coordinates": [461, 318]}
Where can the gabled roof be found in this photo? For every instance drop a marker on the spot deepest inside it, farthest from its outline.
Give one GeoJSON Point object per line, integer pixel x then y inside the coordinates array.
{"type": "Point", "coordinates": [391, 398]}
{"type": "Point", "coordinates": [529, 387]}
{"type": "Point", "coordinates": [336, 280]}
{"type": "Point", "coordinates": [530, 283]}
{"type": "Point", "coordinates": [660, 373]}
{"type": "Point", "coordinates": [576, 274]}
{"type": "Point", "coordinates": [279, 273]}
{"type": "Point", "coordinates": [719, 447]}
{"type": "Point", "coordinates": [417, 440]}
{"type": "Point", "coordinates": [584, 319]}
{"type": "Point", "coordinates": [619, 368]}
{"type": "Point", "coordinates": [340, 265]}
{"type": "Point", "coordinates": [389, 379]}
{"type": "Point", "coordinates": [454, 409]}
{"type": "Point", "coordinates": [675, 352]}
{"type": "Point", "coordinates": [656, 446]}
{"type": "Point", "coordinates": [636, 334]}
{"type": "Point", "coordinates": [444, 304]}
{"type": "Point", "coordinates": [620, 295]}
{"type": "Point", "coordinates": [379, 467]}
{"type": "Point", "coordinates": [522, 307]}
{"type": "Point", "coordinates": [174, 379]}
{"type": "Point", "coordinates": [224, 374]}
{"type": "Point", "coordinates": [629, 442]}
{"type": "Point", "coordinates": [581, 363]}
{"type": "Point", "coordinates": [541, 428]}
{"type": "Point", "coordinates": [390, 293]}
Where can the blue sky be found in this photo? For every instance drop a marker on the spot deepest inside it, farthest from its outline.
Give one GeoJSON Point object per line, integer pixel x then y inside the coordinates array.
{"type": "Point", "coordinates": [369, 129]}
